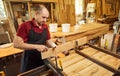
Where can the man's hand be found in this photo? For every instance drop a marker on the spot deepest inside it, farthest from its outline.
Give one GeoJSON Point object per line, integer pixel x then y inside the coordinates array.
{"type": "Point", "coordinates": [51, 44]}
{"type": "Point", "coordinates": [41, 48]}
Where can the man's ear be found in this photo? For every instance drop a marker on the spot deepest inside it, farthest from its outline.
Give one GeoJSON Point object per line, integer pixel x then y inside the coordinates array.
{"type": "Point", "coordinates": [35, 13]}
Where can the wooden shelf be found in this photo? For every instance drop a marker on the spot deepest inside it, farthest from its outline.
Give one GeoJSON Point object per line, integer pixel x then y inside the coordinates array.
{"type": "Point", "coordinates": [17, 0]}
{"type": "Point", "coordinates": [58, 11]}
{"type": "Point", "coordinates": [44, 0]}
{"type": "Point", "coordinates": [32, 0]}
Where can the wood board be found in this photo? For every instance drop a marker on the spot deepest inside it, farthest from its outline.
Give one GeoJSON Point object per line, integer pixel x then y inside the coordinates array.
{"type": "Point", "coordinates": [4, 52]}
{"type": "Point", "coordinates": [103, 57]}
{"type": "Point", "coordinates": [76, 65]}
{"type": "Point", "coordinates": [63, 47]}
{"type": "Point", "coordinates": [89, 30]}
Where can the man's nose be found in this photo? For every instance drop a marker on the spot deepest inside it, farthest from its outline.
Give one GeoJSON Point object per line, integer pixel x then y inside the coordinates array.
{"type": "Point", "coordinates": [45, 19]}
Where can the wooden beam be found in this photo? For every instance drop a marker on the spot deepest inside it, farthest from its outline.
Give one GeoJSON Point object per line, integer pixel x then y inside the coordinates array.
{"type": "Point", "coordinates": [63, 47]}
{"type": "Point", "coordinates": [82, 41]}
{"type": "Point", "coordinates": [52, 12]}
{"type": "Point", "coordinates": [58, 49]}
{"type": "Point", "coordinates": [17, 0]}
{"type": "Point", "coordinates": [44, 1]}
{"type": "Point", "coordinates": [32, 0]}
{"type": "Point", "coordinates": [29, 10]}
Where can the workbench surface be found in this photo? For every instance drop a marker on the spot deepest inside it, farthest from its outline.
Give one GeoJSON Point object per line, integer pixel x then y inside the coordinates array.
{"type": "Point", "coordinates": [10, 50]}
{"type": "Point", "coordinates": [77, 65]}
{"type": "Point", "coordinates": [91, 30]}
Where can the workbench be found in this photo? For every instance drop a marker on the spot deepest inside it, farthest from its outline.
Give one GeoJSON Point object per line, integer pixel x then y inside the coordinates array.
{"type": "Point", "coordinates": [90, 30]}
{"type": "Point", "coordinates": [8, 51]}
{"type": "Point", "coordinates": [89, 60]}
{"type": "Point", "coordinates": [10, 59]}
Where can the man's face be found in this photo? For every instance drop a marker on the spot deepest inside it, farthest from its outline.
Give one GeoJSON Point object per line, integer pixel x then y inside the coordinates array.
{"type": "Point", "coordinates": [42, 17]}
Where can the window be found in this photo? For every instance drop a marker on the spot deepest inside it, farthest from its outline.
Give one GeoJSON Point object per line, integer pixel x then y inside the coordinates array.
{"type": "Point", "coordinates": [79, 7]}
{"type": "Point", "coordinates": [2, 11]}
{"type": "Point", "coordinates": [79, 10]}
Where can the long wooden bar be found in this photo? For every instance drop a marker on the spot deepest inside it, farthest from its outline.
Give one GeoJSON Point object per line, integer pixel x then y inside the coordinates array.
{"type": "Point", "coordinates": [63, 47]}
{"type": "Point", "coordinates": [90, 30]}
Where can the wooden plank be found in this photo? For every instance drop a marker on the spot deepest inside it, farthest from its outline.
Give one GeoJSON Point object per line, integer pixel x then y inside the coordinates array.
{"type": "Point", "coordinates": [103, 57]}
{"type": "Point", "coordinates": [32, 0]}
{"type": "Point", "coordinates": [44, 1]}
{"type": "Point", "coordinates": [61, 13]}
{"type": "Point", "coordinates": [29, 10]}
{"type": "Point", "coordinates": [116, 43]}
{"type": "Point", "coordinates": [79, 67]}
{"type": "Point", "coordinates": [68, 57]}
{"type": "Point", "coordinates": [17, 0]}
{"type": "Point", "coordinates": [89, 51]}
{"type": "Point", "coordinates": [10, 21]}
{"type": "Point", "coordinates": [82, 41]}
{"type": "Point", "coordinates": [84, 67]}
{"type": "Point", "coordinates": [98, 33]}
{"type": "Point", "coordinates": [72, 61]}
{"type": "Point", "coordinates": [63, 47]}
{"type": "Point", "coordinates": [91, 30]}
{"type": "Point", "coordinates": [90, 34]}
{"type": "Point", "coordinates": [76, 65]}
{"type": "Point", "coordinates": [9, 51]}
{"type": "Point", "coordinates": [52, 13]}
{"type": "Point", "coordinates": [93, 69]}
{"type": "Point", "coordinates": [109, 60]}
{"type": "Point", "coordinates": [58, 49]}
{"type": "Point", "coordinates": [83, 63]}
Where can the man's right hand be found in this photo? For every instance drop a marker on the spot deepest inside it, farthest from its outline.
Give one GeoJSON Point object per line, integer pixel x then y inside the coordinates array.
{"type": "Point", "coordinates": [19, 43]}
{"type": "Point", "coordinates": [41, 48]}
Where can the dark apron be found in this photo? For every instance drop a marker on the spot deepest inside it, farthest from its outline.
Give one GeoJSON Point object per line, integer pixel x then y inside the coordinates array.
{"type": "Point", "coordinates": [32, 58]}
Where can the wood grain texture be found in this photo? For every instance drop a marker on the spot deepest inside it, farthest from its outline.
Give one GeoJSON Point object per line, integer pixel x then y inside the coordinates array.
{"type": "Point", "coordinates": [105, 58]}
{"type": "Point", "coordinates": [32, 0]}
{"type": "Point", "coordinates": [89, 30]}
{"type": "Point", "coordinates": [63, 47]}
{"type": "Point", "coordinates": [9, 51]}
{"type": "Point", "coordinates": [80, 66]}
{"type": "Point", "coordinates": [76, 65]}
